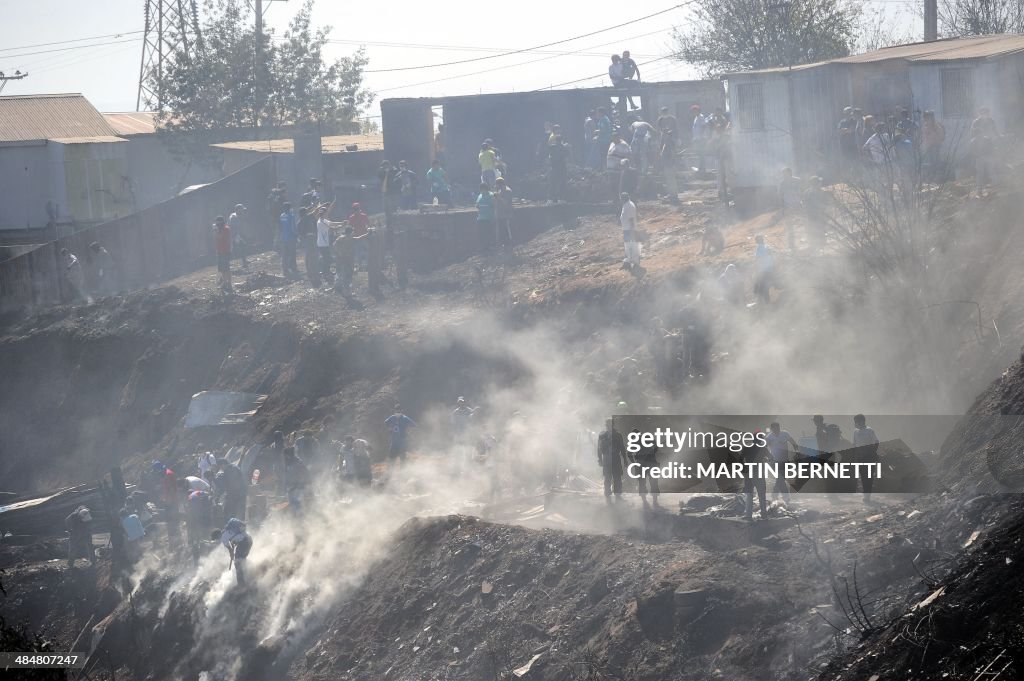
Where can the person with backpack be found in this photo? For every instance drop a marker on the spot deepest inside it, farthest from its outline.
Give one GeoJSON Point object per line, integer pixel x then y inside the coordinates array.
{"type": "Point", "coordinates": [238, 543]}
{"type": "Point", "coordinates": [865, 444]}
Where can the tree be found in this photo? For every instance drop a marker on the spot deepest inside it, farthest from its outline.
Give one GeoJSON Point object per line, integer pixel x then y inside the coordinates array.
{"type": "Point", "coordinates": [222, 86]}
{"type": "Point", "coordinates": [960, 18]}
{"type": "Point", "coordinates": [878, 28]}
{"type": "Point", "coordinates": [739, 35]}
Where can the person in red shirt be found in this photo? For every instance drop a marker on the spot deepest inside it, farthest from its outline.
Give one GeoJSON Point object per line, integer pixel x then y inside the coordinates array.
{"type": "Point", "coordinates": [222, 243]}
{"type": "Point", "coordinates": [360, 224]}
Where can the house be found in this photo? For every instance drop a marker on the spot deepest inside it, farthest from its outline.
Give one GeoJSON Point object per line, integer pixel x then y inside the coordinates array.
{"type": "Point", "coordinates": [155, 173]}
{"type": "Point", "coordinates": [515, 121]}
{"type": "Point", "coordinates": [61, 166]}
{"type": "Point", "coordinates": [788, 116]}
{"type": "Point", "coordinates": [344, 163]}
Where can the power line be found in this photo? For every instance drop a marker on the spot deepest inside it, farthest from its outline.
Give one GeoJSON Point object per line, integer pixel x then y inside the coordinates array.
{"type": "Point", "coordinates": [463, 48]}
{"type": "Point", "coordinates": [509, 66]}
{"type": "Point", "coordinates": [531, 49]}
{"type": "Point", "coordinates": [73, 40]}
{"type": "Point", "coordinates": [73, 47]}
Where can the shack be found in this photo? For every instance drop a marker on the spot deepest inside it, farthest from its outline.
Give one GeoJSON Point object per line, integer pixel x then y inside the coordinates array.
{"type": "Point", "coordinates": [515, 121]}
{"type": "Point", "coordinates": [788, 116]}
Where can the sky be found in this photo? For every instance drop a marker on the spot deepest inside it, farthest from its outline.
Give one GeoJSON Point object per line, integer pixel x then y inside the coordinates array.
{"type": "Point", "coordinates": [104, 64]}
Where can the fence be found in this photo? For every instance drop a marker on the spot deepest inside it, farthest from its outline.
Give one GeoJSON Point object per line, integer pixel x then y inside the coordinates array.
{"type": "Point", "coordinates": [153, 245]}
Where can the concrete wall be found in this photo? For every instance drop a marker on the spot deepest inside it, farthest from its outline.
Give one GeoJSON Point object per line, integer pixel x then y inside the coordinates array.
{"type": "Point", "coordinates": [436, 240]}
{"type": "Point", "coordinates": [153, 245]}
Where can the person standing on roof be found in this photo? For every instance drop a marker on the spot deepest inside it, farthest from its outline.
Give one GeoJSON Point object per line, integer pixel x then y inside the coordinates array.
{"type": "Point", "coordinates": [617, 74]}
{"type": "Point", "coordinates": [398, 425]}
{"type": "Point", "coordinates": [289, 241]}
{"type": "Point", "coordinates": [238, 543]}
{"type": "Point", "coordinates": [79, 525]}
{"type": "Point", "coordinates": [611, 451]}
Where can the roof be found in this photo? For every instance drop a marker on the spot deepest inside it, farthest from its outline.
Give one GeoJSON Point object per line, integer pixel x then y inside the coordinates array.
{"type": "Point", "coordinates": [26, 118]}
{"type": "Point", "coordinates": [95, 139]}
{"type": "Point", "coordinates": [637, 89]}
{"type": "Point", "coordinates": [132, 123]}
{"type": "Point", "coordinates": [949, 49]}
{"type": "Point", "coordinates": [330, 144]}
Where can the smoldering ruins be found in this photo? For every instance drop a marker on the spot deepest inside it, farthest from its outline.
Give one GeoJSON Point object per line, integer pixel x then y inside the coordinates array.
{"type": "Point", "coordinates": [487, 543]}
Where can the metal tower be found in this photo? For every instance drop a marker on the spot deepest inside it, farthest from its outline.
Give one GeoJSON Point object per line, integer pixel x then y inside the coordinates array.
{"type": "Point", "coordinates": [172, 28]}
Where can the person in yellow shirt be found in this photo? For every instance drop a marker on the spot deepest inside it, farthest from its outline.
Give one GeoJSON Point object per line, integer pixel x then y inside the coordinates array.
{"type": "Point", "coordinates": [488, 159]}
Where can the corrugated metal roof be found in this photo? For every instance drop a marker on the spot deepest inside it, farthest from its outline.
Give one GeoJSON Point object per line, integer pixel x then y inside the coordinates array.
{"type": "Point", "coordinates": [25, 118]}
{"type": "Point", "coordinates": [950, 49]}
{"type": "Point", "coordinates": [329, 144]}
{"type": "Point", "coordinates": [95, 139]}
{"type": "Point", "coordinates": [132, 123]}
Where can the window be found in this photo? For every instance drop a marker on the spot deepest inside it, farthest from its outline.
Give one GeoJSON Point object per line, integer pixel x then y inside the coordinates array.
{"type": "Point", "coordinates": [750, 106]}
{"type": "Point", "coordinates": [957, 93]}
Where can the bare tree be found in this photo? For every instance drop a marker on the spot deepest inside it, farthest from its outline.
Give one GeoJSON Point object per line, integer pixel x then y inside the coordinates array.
{"type": "Point", "coordinates": [738, 35]}
{"type": "Point", "coordinates": [879, 28]}
{"type": "Point", "coordinates": [959, 18]}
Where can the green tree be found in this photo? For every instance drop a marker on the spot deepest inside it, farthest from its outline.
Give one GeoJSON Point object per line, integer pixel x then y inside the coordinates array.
{"type": "Point", "coordinates": [224, 85]}
{"type": "Point", "coordinates": [739, 35]}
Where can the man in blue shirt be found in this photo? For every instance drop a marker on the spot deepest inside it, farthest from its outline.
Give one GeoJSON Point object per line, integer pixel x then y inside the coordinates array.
{"type": "Point", "coordinates": [289, 240]}
{"type": "Point", "coordinates": [602, 137]}
{"type": "Point", "coordinates": [398, 425]}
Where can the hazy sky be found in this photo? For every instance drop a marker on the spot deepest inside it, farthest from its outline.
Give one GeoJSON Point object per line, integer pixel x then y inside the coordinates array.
{"type": "Point", "coordinates": [397, 34]}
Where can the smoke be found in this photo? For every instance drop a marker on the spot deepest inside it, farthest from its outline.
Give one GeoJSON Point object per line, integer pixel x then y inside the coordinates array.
{"type": "Point", "coordinates": [830, 342]}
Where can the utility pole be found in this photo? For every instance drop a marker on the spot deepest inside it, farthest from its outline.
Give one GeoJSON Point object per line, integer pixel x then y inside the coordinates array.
{"type": "Point", "coordinates": [171, 31]}
{"type": "Point", "coordinates": [258, 65]}
{"type": "Point", "coordinates": [18, 75]}
{"type": "Point", "coordinates": [260, 36]}
{"type": "Point", "coordinates": [931, 20]}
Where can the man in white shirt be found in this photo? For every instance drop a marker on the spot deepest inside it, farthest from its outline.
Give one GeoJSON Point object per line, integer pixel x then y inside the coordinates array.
{"type": "Point", "coordinates": [323, 243]}
{"type": "Point", "coordinates": [627, 218]}
{"type": "Point", "coordinates": [206, 463]}
{"type": "Point", "coordinates": [865, 445]}
{"type": "Point", "coordinates": [195, 484]}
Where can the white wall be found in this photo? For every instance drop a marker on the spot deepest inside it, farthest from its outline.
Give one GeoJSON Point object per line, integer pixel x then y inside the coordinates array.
{"type": "Point", "coordinates": [24, 186]}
